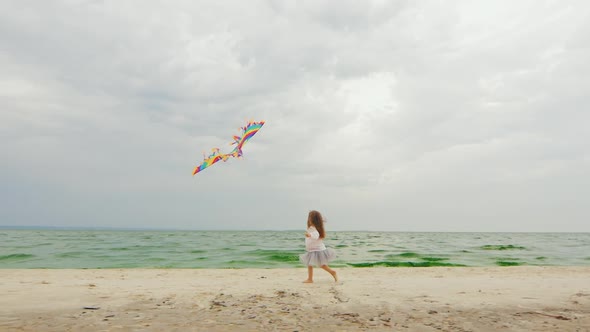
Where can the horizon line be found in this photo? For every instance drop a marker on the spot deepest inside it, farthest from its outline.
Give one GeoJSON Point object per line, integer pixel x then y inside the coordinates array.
{"type": "Point", "coordinates": [113, 228]}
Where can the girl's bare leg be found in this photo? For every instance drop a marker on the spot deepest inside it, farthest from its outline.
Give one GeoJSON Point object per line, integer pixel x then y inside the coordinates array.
{"type": "Point", "coordinates": [309, 275]}
{"type": "Point", "coordinates": [330, 271]}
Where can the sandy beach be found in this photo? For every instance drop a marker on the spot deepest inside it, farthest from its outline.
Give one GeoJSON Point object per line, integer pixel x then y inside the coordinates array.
{"type": "Point", "coordinates": [382, 299]}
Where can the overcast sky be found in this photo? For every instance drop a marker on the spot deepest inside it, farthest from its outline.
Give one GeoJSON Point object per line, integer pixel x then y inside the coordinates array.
{"type": "Point", "coordinates": [382, 115]}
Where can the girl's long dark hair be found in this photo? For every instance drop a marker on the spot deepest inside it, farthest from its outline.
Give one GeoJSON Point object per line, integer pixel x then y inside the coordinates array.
{"type": "Point", "coordinates": [315, 219]}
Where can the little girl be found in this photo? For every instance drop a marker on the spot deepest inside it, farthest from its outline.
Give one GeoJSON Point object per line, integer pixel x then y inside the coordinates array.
{"type": "Point", "coordinates": [317, 253]}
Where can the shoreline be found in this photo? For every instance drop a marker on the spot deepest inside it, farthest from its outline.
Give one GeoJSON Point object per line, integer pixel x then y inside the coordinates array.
{"type": "Point", "coordinates": [520, 298]}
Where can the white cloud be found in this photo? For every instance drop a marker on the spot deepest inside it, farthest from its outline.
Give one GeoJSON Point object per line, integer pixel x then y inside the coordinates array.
{"type": "Point", "coordinates": [389, 115]}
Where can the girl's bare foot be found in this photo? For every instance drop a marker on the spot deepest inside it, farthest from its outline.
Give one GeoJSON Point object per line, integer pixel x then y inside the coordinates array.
{"type": "Point", "coordinates": [308, 281]}
{"type": "Point", "coordinates": [335, 276]}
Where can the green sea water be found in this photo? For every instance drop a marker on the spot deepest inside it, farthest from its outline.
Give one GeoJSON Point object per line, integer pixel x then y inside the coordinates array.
{"type": "Point", "coordinates": [58, 249]}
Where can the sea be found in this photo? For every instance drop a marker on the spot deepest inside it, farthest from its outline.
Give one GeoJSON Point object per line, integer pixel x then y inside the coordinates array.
{"type": "Point", "coordinates": [107, 249]}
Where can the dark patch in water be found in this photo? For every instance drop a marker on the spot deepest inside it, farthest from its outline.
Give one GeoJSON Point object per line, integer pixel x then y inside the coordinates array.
{"type": "Point", "coordinates": [434, 259]}
{"type": "Point", "coordinates": [507, 258]}
{"type": "Point", "coordinates": [408, 254]}
{"type": "Point", "coordinates": [425, 259]}
{"type": "Point", "coordinates": [541, 258]}
{"type": "Point", "coordinates": [198, 251]}
{"type": "Point", "coordinates": [411, 255]}
{"type": "Point", "coordinates": [377, 250]}
{"type": "Point", "coordinates": [507, 263]}
{"type": "Point", "coordinates": [501, 247]}
{"type": "Point", "coordinates": [272, 252]}
{"type": "Point", "coordinates": [341, 246]}
{"type": "Point", "coordinates": [277, 255]}
{"type": "Point", "coordinates": [403, 264]}
{"type": "Point", "coordinates": [15, 257]}
{"type": "Point", "coordinates": [284, 258]}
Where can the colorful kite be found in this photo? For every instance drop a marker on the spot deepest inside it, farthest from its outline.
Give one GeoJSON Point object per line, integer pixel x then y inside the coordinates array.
{"type": "Point", "coordinates": [247, 132]}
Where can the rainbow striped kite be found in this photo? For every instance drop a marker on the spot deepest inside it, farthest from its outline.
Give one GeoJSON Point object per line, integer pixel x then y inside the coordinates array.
{"type": "Point", "coordinates": [247, 132]}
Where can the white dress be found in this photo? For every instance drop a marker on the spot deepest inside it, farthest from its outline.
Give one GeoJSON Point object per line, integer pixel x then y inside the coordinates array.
{"type": "Point", "coordinates": [317, 254]}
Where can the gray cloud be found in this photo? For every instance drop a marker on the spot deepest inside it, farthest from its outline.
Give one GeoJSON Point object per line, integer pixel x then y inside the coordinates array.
{"type": "Point", "coordinates": [384, 115]}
